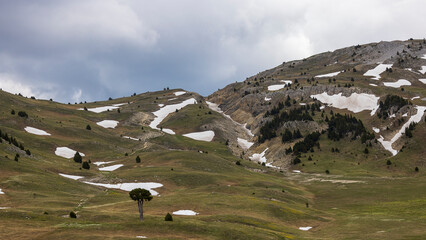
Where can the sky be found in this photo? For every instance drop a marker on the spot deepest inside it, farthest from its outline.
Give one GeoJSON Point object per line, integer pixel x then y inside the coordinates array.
{"type": "Point", "coordinates": [89, 50]}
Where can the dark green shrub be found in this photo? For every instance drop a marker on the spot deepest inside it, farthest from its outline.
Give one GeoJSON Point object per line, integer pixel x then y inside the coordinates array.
{"type": "Point", "coordinates": [73, 215]}
{"type": "Point", "coordinates": [77, 157]}
{"type": "Point", "coordinates": [23, 114]}
{"type": "Point", "coordinates": [88, 127]}
{"type": "Point", "coordinates": [12, 112]}
{"type": "Point", "coordinates": [138, 159]}
{"type": "Point", "coordinates": [85, 165]}
{"type": "Point", "coordinates": [168, 217]}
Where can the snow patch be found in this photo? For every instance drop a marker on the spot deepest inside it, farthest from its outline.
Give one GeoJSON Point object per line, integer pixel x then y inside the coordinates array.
{"type": "Point", "coordinates": [185, 213]}
{"type": "Point", "coordinates": [102, 163]}
{"type": "Point", "coordinates": [206, 136]}
{"type": "Point", "coordinates": [305, 228]}
{"type": "Point", "coordinates": [108, 123]}
{"type": "Point", "coordinates": [423, 80]}
{"type": "Point", "coordinates": [161, 105]}
{"type": "Point", "coordinates": [397, 84]}
{"type": "Point", "coordinates": [141, 237]}
{"type": "Point", "coordinates": [66, 152]}
{"type": "Point", "coordinates": [267, 99]}
{"type": "Point", "coordinates": [163, 112]}
{"type": "Point", "coordinates": [244, 144]}
{"type": "Point", "coordinates": [132, 138]}
{"type": "Point", "coordinates": [302, 104]}
{"type": "Point", "coordinates": [333, 74]}
{"type": "Point", "coordinates": [376, 130]}
{"type": "Point", "coordinates": [411, 70]}
{"type": "Point", "coordinates": [424, 56]}
{"type": "Point", "coordinates": [111, 168]}
{"type": "Point", "coordinates": [71, 176]}
{"type": "Point", "coordinates": [2, 208]}
{"type": "Point", "coordinates": [372, 84]}
{"type": "Point", "coordinates": [104, 109]}
{"type": "Point", "coordinates": [416, 97]}
{"type": "Point", "coordinates": [179, 93]}
{"type": "Point", "coordinates": [423, 70]}
{"type": "Point", "coordinates": [414, 118]}
{"type": "Point", "coordinates": [296, 171]}
{"type": "Point", "coordinates": [355, 103]}
{"type": "Point", "coordinates": [36, 131]}
{"type": "Point", "coordinates": [130, 186]}
{"type": "Point", "coordinates": [375, 72]}
{"type": "Point", "coordinates": [287, 82]}
{"type": "Point", "coordinates": [276, 87]}
{"type": "Point", "coordinates": [1, 192]}
{"type": "Point", "coordinates": [259, 157]}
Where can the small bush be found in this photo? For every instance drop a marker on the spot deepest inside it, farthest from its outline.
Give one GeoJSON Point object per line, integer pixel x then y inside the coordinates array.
{"type": "Point", "coordinates": [88, 127]}
{"type": "Point", "coordinates": [388, 162]}
{"type": "Point", "coordinates": [23, 114]}
{"type": "Point", "coordinates": [238, 162]}
{"type": "Point", "coordinates": [28, 152]}
{"type": "Point", "coordinates": [416, 169]}
{"type": "Point", "coordinates": [138, 159]}
{"type": "Point", "coordinates": [12, 112]}
{"type": "Point", "coordinates": [85, 165]}
{"type": "Point", "coordinates": [366, 150]}
{"type": "Point", "coordinates": [73, 215]}
{"type": "Point", "coordinates": [168, 217]}
{"type": "Point", "coordinates": [327, 172]}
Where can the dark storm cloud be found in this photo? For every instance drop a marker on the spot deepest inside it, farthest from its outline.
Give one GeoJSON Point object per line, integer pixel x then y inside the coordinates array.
{"type": "Point", "coordinates": [93, 49]}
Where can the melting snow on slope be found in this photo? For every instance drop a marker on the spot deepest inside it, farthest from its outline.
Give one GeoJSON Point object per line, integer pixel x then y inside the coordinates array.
{"type": "Point", "coordinates": [163, 112]}
{"type": "Point", "coordinates": [375, 72]}
{"type": "Point", "coordinates": [1, 192]}
{"type": "Point", "coordinates": [103, 109]}
{"type": "Point", "coordinates": [259, 157]}
{"type": "Point", "coordinates": [397, 84]}
{"type": "Point", "coordinates": [71, 176]}
{"type": "Point", "coordinates": [141, 237]}
{"type": "Point", "coordinates": [423, 70]}
{"type": "Point", "coordinates": [206, 136]}
{"type": "Point", "coordinates": [185, 213]}
{"type": "Point", "coordinates": [333, 74]}
{"type": "Point", "coordinates": [355, 103]}
{"type": "Point", "coordinates": [108, 123]}
{"type": "Point", "coordinates": [305, 228]}
{"type": "Point", "coordinates": [161, 105]}
{"type": "Point", "coordinates": [216, 108]}
{"type": "Point", "coordinates": [179, 93]}
{"type": "Point", "coordinates": [131, 138]}
{"type": "Point", "coordinates": [372, 84]}
{"type": "Point", "coordinates": [111, 168]}
{"type": "Point", "coordinates": [102, 163]}
{"type": "Point", "coordinates": [416, 97]}
{"type": "Point", "coordinates": [36, 131]}
{"type": "Point", "coordinates": [415, 118]}
{"type": "Point", "coordinates": [267, 99]}
{"type": "Point", "coordinates": [424, 56]}
{"type": "Point", "coordinates": [123, 186]}
{"type": "Point", "coordinates": [130, 186]}
{"type": "Point", "coordinates": [423, 80]}
{"type": "Point", "coordinates": [376, 130]}
{"type": "Point", "coordinates": [66, 152]}
{"type": "Point", "coordinates": [276, 87]}
{"type": "Point", "coordinates": [244, 144]}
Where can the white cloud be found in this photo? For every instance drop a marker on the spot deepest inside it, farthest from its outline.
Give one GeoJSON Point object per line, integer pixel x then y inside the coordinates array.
{"type": "Point", "coordinates": [77, 95]}
{"type": "Point", "coordinates": [9, 83]}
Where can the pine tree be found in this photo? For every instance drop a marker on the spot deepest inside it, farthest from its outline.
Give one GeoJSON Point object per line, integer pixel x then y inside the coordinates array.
{"type": "Point", "coordinates": [77, 157]}
{"type": "Point", "coordinates": [138, 159]}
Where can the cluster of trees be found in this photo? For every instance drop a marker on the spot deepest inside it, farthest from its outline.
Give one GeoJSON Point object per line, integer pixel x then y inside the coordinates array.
{"type": "Point", "coordinates": [78, 159]}
{"type": "Point", "coordinates": [409, 129]}
{"type": "Point", "coordinates": [289, 136]}
{"type": "Point", "coordinates": [20, 113]}
{"type": "Point", "coordinates": [340, 126]}
{"type": "Point", "coordinates": [11, 140]}
{"type": "Point", "coordinates": [391, 101]}
{"type": "Point", "coordinates": [268, 131]}
{"type": "Point", "coordinates": [307, 144]}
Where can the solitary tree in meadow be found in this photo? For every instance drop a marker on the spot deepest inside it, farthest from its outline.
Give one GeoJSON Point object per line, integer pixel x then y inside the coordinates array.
{"type": "Point", "coordinates": [77, 157]}
{"type": "Point", "coordinates": [140, 195]}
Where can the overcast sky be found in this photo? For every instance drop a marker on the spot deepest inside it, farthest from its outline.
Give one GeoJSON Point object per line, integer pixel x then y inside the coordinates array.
{"type": "Point", "coordinates": [87, 50]}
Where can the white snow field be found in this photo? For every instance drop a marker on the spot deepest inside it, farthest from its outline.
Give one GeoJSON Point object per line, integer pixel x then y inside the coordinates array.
{"type": "Point", "coordinates": [423, 70]}
{"type": "Point", "coordinates": [259, 157]}
{"type": "Point", "coordinates": [276, 87]}
{"type": "Point", "coordinates": [71, 176]}
{"type": "Point", "coordinates": [108, 123]}
{"type": "Point", "coordinates": [161, 105]}
{"type": "Point", "coordinates": [333, 74]}
{"type": "Point", "coordinates": [216, 108]}
{"type": "Point", "coordinates": [66, 152]}
{"type": "Point", "coordinates": [372, 84]}
{"type": "Point", "coordinates": [415, 118]}
{"type": "Point", "coordinates": [397, 84]}
{"type": "Point", "coordinates": [375, 72]}
{"type": "Point", "coordinates": [111, 168]}
{"type": "Point", "coordinates": [36, 131]}
{"type": "Point", "coordinates": [179, 93]}
{"type": "Point", "coordinates": [423, 80]}
{"type": "Point", "coordinates": [104, 109]}
{"type": "Point", "coordinates": [305, 228]}
{"type": "Point", "coordinates": [376, 130]}
{"type": "Point", "coordinates": [1, 192]}
{"type": "Point", "coordinates": [206, 136]}
{"type": "Point", "coordinates": [355, 103]}
{"type": "Point", "coordinates": [244, 144]}
{"type": "Point", "coordinates": [131, 138]}
{"type": "Point", "coordinates": [267, 99]}
{"type": "Point", "coordinates": [141, 237]}
{"type": "Point", "coordinates": [163, 112]}
{"type": "Point", "coordinates": [102, 163]}
{"type": "Point", "coordinates": [296, 171]}
{"type": "Point", "coordinates": [130, 186]}
{"type": "Point", "coordinates": [185, 213]}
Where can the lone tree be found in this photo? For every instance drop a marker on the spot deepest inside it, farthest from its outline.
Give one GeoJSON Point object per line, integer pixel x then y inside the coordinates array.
{"type": "Point", "coordinates": [140, 195]}
{"type": "Point", "coordinates": [77, 157]}
{"type": "Point", "coordinates": [138, 159]}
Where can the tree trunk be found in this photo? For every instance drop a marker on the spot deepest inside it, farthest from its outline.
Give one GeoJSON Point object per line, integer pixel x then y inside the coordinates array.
{"type": "Point", "coordinates": [140, 205]}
